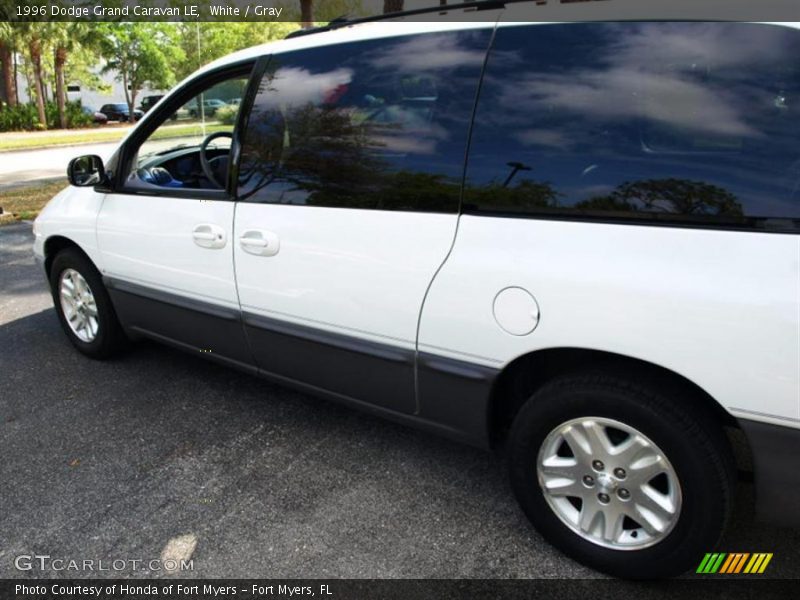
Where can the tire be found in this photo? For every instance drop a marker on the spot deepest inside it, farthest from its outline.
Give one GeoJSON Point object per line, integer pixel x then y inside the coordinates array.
{"type": "Point", "coordinates": [694, 491]}
{"type": "Point", "coordinates": [101, 338]}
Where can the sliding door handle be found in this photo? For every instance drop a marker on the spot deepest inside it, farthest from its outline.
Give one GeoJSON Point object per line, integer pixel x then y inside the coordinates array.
{"type": "Point", "coordinates": [259, 242]}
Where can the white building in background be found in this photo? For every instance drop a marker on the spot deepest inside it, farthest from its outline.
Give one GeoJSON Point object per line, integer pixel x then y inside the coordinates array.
{"type": "Point", "coordinates": [95, 99]}
{"type": "Point", "coordinates": [92, 98]}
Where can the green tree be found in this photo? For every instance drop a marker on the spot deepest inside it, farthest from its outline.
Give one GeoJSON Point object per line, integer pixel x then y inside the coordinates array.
{"type": "Point", "coordinates": [69, 39]}
{"type": "Point", "coordinates": [140, 54]}
{"type": "Point", "coordinates": [204, 42]}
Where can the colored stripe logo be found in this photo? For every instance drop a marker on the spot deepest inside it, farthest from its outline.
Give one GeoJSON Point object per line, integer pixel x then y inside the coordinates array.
{"type": "Point", "coordinates": [734, 563]}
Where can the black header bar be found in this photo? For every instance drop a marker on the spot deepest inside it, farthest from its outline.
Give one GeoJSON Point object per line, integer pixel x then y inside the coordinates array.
{"type": "Point", "coordinates": [414, 10]}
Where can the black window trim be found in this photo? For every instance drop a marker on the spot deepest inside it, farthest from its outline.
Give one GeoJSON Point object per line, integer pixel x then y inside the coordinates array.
{"type": "Point", "coordinates": [250, 68]}
{"type": "Point", "coordinates": [645, 219]}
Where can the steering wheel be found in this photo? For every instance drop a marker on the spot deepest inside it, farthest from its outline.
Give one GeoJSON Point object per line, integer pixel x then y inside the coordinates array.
{"type": "Point", "coordinates": [208, 169]}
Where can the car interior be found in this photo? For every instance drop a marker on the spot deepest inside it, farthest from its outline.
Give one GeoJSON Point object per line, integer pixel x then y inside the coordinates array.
{"type": "Point", "coordinates": [190, 148]}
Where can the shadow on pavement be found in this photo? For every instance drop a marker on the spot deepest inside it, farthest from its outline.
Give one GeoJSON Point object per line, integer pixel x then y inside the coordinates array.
{"type": "Point", "coordinates": [113, 459]}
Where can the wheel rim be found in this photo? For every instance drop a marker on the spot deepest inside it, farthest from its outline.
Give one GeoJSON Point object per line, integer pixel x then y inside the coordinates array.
{"type": "Point", "coordinates": [609, 483]}
{"type": "Point", "coordinates": [78, 305]}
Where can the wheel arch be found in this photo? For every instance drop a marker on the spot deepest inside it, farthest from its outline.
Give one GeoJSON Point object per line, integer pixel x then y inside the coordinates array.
{"type": "Point", "coordinates": [523, 376]}
{"type": "Point", "coordinates": [55, 244]}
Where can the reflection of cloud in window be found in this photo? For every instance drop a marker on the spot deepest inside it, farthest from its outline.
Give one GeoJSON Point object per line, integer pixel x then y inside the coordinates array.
{"type": "Point", "coordinates": [552, 138]}
{"type": "Point", "coordinates": [657, 71]}
{"type": "Point", "coordinates": [616, 94]}
{"type": "Point", "coordinates": [703, 43]}
{"type": "Point", "coordinates": [427, 53]}
{"type": "Point", "coordinates": [300, 86]}
{"type": "Point", "coordinates": [405, 144]}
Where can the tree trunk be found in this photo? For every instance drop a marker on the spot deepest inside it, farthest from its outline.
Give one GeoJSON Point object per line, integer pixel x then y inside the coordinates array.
{"type": "Point", "coordinates": [132, 117]}
{"type": "Point", "coordinates": [306, 14]}
{"type": "Point", "coordinates": [16, 78]}
{"type": "Point", "coordinates": [390, 6]}
{"type": "Point", "coordinates": [3, 88]}
{"type": "Point", "coordinates": [130, 96]}
{"type": "Point", "coordinates": [9, 80]}
{"type": "Point", "coordinates": [60, 60]}
{"type": "Point", "coordinates": [35, 48]}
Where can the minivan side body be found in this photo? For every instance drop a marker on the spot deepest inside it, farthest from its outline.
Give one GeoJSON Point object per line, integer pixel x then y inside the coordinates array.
{"type": "Point", "coordinates": [453, 225]}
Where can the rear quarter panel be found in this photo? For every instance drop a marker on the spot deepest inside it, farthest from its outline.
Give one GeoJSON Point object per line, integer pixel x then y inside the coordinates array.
{"type": "Point", "coordinates": [717, 307]}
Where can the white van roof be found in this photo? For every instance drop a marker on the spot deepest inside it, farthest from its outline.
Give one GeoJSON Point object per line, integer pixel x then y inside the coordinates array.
{"type": "Point", "coordinates": [518, 11]}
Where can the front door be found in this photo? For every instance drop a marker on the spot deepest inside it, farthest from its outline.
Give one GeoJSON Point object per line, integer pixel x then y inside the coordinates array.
{"type": "Point", "coordinates": [166, 234]}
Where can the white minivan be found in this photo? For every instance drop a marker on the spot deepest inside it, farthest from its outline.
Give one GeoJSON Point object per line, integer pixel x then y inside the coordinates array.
{"type": "Point", "coordinates": [574, 240]}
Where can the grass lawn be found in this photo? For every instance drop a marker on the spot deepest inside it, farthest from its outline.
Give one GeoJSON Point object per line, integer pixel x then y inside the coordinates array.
{"type": "Point", "coordinates": [25, 202]}
{"type": "Point", "coordinates": [21, 141]}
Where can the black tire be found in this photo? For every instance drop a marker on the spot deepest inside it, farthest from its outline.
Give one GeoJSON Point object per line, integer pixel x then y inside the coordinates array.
{"type": "Point", "coordinates": [692, 442]}
{"type": "Point", "coordinates": [110, 338]}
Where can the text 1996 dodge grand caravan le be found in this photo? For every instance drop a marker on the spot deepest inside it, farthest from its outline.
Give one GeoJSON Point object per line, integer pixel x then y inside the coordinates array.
{"type": "Point", "coordinates": [575, 239]}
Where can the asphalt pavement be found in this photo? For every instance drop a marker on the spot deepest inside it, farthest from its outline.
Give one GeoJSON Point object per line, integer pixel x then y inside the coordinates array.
{"type": "Point", "coordinates": [119, 460]}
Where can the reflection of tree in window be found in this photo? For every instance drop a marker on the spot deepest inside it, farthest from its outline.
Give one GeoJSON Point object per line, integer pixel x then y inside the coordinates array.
{"type": "Point", "coordinates": [333, 154]}
{"type": "Point", "coordinates": [669, 196]}
{"type": "Point", "coordinates": [527, 194]}
{"type": "Point", "coordinates": [677, 196]}
{"type": "Point", "coordinates": [364, 126]}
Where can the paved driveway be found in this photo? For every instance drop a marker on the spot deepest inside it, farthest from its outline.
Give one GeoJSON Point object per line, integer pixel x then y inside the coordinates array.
{"type": "Point", "coordinates": [112, 460]}
{"type": "Point", "coordinates": [29, 166]}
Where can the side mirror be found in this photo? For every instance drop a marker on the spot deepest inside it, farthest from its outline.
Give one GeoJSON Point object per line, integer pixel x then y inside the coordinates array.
{"type": "Point", "coordinates": [86, 171]}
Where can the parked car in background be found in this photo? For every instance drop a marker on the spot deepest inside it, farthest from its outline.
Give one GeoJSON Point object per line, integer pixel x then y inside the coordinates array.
{"type": "Point", "coordinates": [209, 108]}
{"type": "Point", "coordinates": [592, 263]}
{"type": "Point", "coordinates": [149, 102]}
{"type": "Point", "coordinates": [97, 116]}
{"type": "Point", "coordinates": [119, 111]}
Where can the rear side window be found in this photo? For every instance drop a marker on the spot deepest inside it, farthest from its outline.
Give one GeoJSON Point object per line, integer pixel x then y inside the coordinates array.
{"type": "Point", "coordinates": [379, 124]}
{"type": "Point", "coordinates": [691, 123]}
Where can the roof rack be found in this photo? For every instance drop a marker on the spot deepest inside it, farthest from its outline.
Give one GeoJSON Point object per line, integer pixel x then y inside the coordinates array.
{"type": "Point", "coordinates": [345, 21]}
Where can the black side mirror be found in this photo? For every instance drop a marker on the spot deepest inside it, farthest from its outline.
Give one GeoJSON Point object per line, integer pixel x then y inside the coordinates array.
{"type": "Point", "coordinates": [86, 171]}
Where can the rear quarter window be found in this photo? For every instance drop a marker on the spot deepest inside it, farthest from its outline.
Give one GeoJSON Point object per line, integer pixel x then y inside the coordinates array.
{"type": "Point", "coordinates": [688, 123]}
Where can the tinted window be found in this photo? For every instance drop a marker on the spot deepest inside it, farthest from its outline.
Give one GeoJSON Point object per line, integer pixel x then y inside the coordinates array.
{"type": "Point", "coordinates": [687, 122]}
{"type": "Point", "coordinates": [375, 125]}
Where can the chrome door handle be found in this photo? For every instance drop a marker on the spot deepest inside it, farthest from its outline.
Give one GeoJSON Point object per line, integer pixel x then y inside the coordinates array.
{"type": "Point", "coordinates": [260, 242]}
{"type": "Point", "coordinates": [209, 236]}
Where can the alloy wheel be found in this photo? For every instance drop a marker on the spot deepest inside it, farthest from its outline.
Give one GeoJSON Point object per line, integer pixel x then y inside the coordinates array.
{"type": "Point", "coordinates": [78, 305]}
{"type": "Point", "coordinates": [609, 483]}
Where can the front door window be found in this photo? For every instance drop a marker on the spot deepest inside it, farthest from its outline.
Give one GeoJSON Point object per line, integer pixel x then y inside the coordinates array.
{"type": "Point", "coordinates": [190, 148]}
